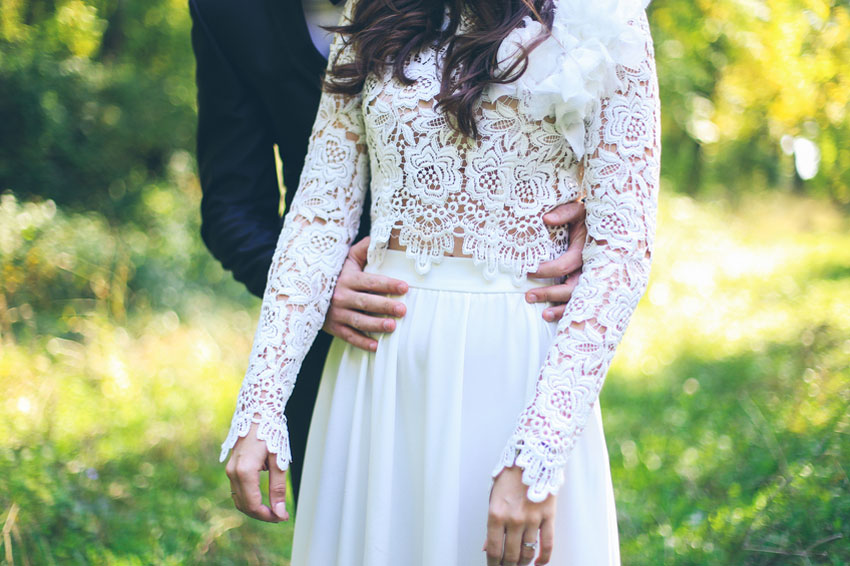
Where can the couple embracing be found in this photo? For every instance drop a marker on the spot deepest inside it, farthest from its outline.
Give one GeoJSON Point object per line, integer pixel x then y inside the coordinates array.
{"type": "Point", "coordinates": [456, 420]}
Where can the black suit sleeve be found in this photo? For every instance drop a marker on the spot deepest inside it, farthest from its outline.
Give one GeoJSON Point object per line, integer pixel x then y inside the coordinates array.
{"type": "Point", "coordinates": [240, 219]}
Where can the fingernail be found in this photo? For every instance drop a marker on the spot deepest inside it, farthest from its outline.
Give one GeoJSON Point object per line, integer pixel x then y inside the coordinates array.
{"type": "Point", "coordinates": [532, 298]}
{"type": "Point", "coordinates": [373, 346]}
{"type": "Point", "coordinates": [280, 510]}
{"type": "Point", "coordinates": [402, 289]}
{"type": "Point", "coordinates": [548, 315]}
{"type": "Point", "coordinates": [399, 310]}
{"type": "Point", "coordinates": [388, 325]}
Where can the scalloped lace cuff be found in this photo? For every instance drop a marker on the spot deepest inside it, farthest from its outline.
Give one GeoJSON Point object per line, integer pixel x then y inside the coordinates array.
{"type": "Point", "coordinates": [275, 434]}
{"type": "Point", "coordinates": [542, 470]}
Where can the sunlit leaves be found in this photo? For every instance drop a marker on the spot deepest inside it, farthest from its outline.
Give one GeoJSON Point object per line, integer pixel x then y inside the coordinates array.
{"type": "Point", "coordinates": [738, 75]}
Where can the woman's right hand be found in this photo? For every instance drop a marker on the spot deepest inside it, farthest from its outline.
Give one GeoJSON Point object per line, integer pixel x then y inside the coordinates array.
{"type": "Point", "coordinates": [249, 457]}
{"type": "Point", "coordinates": [514, 522]}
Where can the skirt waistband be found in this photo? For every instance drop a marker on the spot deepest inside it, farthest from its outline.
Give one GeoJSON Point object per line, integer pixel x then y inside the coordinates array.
{"type": "Point", "coordinates": [452, 274]}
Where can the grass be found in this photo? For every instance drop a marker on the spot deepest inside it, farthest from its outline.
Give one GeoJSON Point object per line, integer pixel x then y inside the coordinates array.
{"type": "Point", "coordinates": [726, 410]}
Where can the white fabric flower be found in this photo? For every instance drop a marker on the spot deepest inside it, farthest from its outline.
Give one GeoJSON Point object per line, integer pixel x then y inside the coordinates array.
{"type": "Point", "coordinates": [571, 70]}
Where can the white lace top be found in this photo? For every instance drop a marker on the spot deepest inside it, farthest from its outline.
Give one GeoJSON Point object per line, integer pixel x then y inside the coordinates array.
{"type": "Point", "coordinates": [582, 120]}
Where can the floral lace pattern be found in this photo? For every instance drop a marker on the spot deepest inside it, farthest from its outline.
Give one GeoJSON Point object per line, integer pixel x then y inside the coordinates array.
{"type": "Point", "coordinates": [431, 187]}
{"type": "Point", "coordinates": [313, 243]}
{"type": "Point", "coordinates": [436, 193]}
{"type": "Point", "coordinates": [574, 66]}
{"type": "Point", "coordinates": [620, 176]}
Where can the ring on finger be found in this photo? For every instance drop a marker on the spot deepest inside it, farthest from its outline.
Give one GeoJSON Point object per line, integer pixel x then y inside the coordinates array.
{"type": "Point", "coordinates": [531, 545]}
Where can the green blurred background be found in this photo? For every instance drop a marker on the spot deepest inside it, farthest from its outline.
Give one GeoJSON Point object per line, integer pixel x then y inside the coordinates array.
{"type": "Point", "coordinates": [122, 343]}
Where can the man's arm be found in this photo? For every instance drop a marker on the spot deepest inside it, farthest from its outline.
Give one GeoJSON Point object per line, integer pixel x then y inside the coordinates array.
{"type": "Point", "coordinates": [240, 206]}
{"type": "Point", "coordinates": [240, 219]}
{"type": "Point", "coordinates": [239, 209]}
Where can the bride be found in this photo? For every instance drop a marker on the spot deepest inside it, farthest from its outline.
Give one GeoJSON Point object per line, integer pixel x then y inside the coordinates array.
{"type": "Point", "coordinates": [475, 421]}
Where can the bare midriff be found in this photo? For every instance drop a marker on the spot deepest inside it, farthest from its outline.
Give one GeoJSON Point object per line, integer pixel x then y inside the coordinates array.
{"type": "Point", "coordinates": [394, 244]}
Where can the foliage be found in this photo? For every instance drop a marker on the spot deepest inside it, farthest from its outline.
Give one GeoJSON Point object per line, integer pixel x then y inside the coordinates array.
{"type": "Point", "coordinates": [726, 410]}
{"type": "Point", "coordinates": [114, 391]}
{"type": "Point", "coordinates": [729, 404]}
{"type": "Point", "coordinates": [110, 444]}
{"type": "Point", "coordinates": [740, 80]}
{"type": "Point", "coordinates": [122, 342]}
{"type": "Point", "coordinates": [57, 267]}
{"type": "Point", "coordinates": [95, 96]}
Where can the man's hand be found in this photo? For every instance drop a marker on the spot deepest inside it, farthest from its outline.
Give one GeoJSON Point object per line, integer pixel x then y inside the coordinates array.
{"type": "Point", "coordinates": [567, 266]}
{"type": "Point", "coordinates": [359, 304]}
{"type": "Point", "coordinates": [251, 456]}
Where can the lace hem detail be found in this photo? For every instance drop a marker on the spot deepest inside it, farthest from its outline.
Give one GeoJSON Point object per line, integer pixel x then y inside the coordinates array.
{"type": "Point", "coordinates": [542, 471]}
{"type": "Point", "coordinates": [517, 264]}
{"type": "Point", "coordinates": [275, 435]}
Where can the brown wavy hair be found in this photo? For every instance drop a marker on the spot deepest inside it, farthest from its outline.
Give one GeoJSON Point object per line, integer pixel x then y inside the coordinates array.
{"type": "Point", "coordinates": [385, 33]}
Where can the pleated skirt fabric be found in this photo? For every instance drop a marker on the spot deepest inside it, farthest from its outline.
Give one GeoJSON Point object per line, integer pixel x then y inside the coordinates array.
{"type": "Point", "coordinates": [403, 440]}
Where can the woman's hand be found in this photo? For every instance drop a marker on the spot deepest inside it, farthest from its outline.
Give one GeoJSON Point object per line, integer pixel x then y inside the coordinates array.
{"type": "Point", "coordinates": [514, 520]}
{"type": "Point", "coordinates": [249, 457]}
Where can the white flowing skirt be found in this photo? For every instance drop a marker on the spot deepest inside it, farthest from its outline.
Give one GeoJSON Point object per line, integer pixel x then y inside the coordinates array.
{"type": "Point", "coordinates": [403, 440]}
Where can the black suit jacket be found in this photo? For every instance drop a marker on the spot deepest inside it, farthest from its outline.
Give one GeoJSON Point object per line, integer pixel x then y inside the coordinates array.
{"type": "Point", "coordinates": [259, 82]}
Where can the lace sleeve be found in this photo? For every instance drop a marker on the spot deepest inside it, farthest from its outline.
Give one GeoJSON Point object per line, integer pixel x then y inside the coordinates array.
{"type": "Point", "coordinates": [620, 179]}
{"type": "Point", "coordinates": [311, 248]}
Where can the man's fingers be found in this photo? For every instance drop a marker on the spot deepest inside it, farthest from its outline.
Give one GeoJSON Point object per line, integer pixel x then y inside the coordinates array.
{"type": "Point", "coordinates": [565, 214]}
{"type": "Point", "coordinates": [359, 251]}
{"type": "Point", "coordinates": [570, 261]}
{"type": "Point", "coordinates": [277, 489]}
{"type": "Point", "coordinates": [353, 337]}
{"type": "Point", "coordinates": [359, 301]}
{"type": "Point", "coordinates": [553, 314]}
{"type": "Point", "coordinates": [364, 322]}
{"type": "Point", "coordinates": [547, 542]}
{"type": "Point", "coordinates": [351, 278]}
{"type": "Point", "coordinates": [557, 294]}
{"type": "Point", "coordinates": [341, 316]}
{"type": "Point", "coordinates": [577, 235]}
{"type": "Point", "coordinates": [368, 303]}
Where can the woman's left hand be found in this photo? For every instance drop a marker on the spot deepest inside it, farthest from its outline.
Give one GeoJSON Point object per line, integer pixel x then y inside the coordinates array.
{"type": "Point", "coordinates": [514, 523]}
